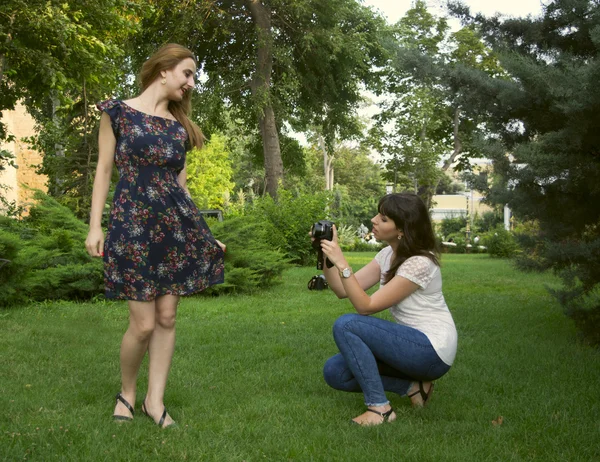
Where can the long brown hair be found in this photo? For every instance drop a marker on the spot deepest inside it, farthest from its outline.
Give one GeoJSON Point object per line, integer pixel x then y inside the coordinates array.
{"type": "Point", "coordinates": [167, 57]}
{"type": "Point", "coordinates": [409, 214]}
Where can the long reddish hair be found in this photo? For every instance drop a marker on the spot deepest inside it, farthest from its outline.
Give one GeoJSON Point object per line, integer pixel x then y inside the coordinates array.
{"type": "Point", "coordinates": [167, 57]}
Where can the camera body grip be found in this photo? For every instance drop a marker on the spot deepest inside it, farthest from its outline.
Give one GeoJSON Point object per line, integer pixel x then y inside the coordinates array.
{"type": "Point", "coordinates": [322, 229]}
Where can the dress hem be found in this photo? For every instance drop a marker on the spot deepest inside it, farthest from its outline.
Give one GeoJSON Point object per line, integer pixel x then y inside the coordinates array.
{"type": "Point", "coordinates": [115, 296]}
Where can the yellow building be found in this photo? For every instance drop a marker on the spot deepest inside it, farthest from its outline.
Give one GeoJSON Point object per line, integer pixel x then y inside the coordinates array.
{"type": "Point", "coordinates": [469, 202]}
{"type": "Point", "coordinates": [458, 205]}
{"type": "Point", "coordinates": [20, 124]}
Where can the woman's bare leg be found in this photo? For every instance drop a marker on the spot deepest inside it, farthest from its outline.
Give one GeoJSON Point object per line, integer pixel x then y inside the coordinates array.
{"type": "Point", "coordinates": [160, 353]}
{"type": "Point", "coordinates": [133, 348]}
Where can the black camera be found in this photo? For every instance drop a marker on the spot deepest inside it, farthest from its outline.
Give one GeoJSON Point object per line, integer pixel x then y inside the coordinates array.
{"type": "Point", "coordinates": [321, 230]}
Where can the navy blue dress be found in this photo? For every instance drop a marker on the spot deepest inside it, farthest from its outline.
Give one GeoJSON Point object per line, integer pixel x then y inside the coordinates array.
{"type": "Point", "coordinates": [157, 241]}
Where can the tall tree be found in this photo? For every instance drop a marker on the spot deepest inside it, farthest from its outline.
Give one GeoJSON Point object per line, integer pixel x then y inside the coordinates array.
{"type": "Point", "coordinates": [407, 130]}
{"type": "Point", "coordinates": [430, 116]}
{"type": "Point", "coordinates": [547, 116]}
{"type": "Point", "coordinates": [359, 183]}
{"type": "Point", "coordinates": [58, 57]}
{"type": "Point", "coordinates": [274, 62]}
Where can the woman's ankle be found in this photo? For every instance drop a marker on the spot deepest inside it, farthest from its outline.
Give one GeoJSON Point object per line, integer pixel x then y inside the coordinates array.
{"type": "Point", "coordinates": [382, 408]}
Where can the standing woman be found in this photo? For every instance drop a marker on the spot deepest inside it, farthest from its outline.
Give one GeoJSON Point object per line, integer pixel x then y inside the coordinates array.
{"type": "Point", "coordinates": [158, 247]}
{"type": "Point", "coordinates": [404, 356]}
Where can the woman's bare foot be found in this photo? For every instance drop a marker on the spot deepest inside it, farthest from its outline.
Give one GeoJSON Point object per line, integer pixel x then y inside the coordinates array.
{"type": "Point", "coordinates": [121, 410]}
{"type": "Point", "coordinates": [155, 412]}
{"type": "Point", "coordinates": [375, 418]}
{"type": "Point", "coordinates": [416, 395]}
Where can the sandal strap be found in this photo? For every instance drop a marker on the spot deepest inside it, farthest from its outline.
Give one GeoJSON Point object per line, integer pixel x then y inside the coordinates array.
{"type": "Point", "coordinates": [376, 412]}
{"type": "Point", "coordinates": [385, 414]}
{"type": "Point", "coordinates": [421, 391]}
{"type": "Point", "coordinates": [162, 418]}
{"type": "Point", "coordinates": [424, 395]}
{"type": "Point", "coordinates": [119, 397]}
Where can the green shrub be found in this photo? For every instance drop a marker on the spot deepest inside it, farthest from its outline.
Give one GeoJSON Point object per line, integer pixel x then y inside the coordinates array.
{"type": "Point", "coordinates": [289, 219]}
{"type": "Point", "coordinates": [10, 272]}
{"type": "Point", "coordinates": [460, 241]}
{"type": "Point", "coordinates": [487, 221]}
{"type": "Point", "coordinates": [501, 243]}
{"type": "Point", "coordinates": [252, 261]}
{"type": "Point", "coordinates": [346, 237]}
{"type": "Point", "coordinates": [48, 260]}
{"type": "Point", "coordinates": [450, 226]}
{"type": "Point", "coordinates": [361, 246]}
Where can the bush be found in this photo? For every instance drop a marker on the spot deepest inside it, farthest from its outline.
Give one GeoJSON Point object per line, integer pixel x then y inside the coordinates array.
{"type": "Point", "coordinates": [251, 261]}
{"type": "Point", "coordinates": [451, 226]}
{"type": "Point", "coordinates": [361, 246]}
{"type": "Point", "coordinates": [487, 221]}
{"type": "Point", "coordinates": [10, 271]}
{"type": "Point", "coordinates": [501, 243]}
{"type": "Point", "coordinates": [346, 237]}
{"type": "Point", "coordinates": [288, 220]}
{"type": "Point", "coordinates": [47, 256]}
{"type": "Point", "coordinates": [460, 241]}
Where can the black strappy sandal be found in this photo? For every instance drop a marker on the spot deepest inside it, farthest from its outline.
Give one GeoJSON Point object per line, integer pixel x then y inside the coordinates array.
{"type": "Point", "coordinates": [162, 417]}
{"type": "Point", "coordinates": [424, 396]}
{"type": "Point", "coordinates": [386, 417]}
{"type": "Point", "coordinates": [123, 418]}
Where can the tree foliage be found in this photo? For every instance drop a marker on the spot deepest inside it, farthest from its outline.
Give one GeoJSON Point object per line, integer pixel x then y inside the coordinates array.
{"type": "Point", "coordinates": [547, 116]}
{"type": "Point", "coordinates": [273, 62]}
{"type": "Point", "coordinates": [59, 57]}
{"type": "Point", "coordinates": [430, 115]}
{"type": "Point", "coordinates": [209, 173]}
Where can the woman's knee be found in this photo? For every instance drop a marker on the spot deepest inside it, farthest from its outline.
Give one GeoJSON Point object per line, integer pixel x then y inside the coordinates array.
{"type": "Point", "coordinates": [166, 309]}
{"type": "Point", "coordinates": [336, 372]}
{"type": "Point", "coordinates": [344, 321]}
{"type": "Point", "coordinates": [166, 319]}
{"type": "Point", "coordinates": [142, 328]}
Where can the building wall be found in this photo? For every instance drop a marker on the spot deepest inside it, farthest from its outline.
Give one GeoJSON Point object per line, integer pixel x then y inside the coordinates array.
{"type": "Point", "coordinates": [20, 124]}
{"type": "Point", "coordinates": [455, 205]}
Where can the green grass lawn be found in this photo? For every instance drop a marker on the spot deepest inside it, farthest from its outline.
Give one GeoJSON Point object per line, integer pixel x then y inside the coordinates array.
{"type": "Point", "coordinates": [246, 381]}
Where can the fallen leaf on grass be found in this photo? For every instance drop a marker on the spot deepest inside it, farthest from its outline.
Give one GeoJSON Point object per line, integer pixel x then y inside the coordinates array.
{"type": "Point", "coordinates": [498, 421]}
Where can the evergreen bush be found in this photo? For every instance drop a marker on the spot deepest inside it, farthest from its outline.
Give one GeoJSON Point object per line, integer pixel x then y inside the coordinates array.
{"type": "Point", "coordinates": [501, 243]}
{"type": "Point", "coordinates": [47, 256]}
{"type": "Point", "coordinates": [450, 226]}
{"type": "Point", "coordinates": [288, 220]}
{"type": "Point", "coordinates": [252, 262]}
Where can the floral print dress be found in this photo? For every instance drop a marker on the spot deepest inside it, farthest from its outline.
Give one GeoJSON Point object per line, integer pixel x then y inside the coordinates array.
{"type": "Point", "coordinates": [157, 241]}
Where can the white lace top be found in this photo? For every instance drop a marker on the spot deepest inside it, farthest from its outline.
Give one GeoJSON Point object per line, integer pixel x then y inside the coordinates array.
{"type": "Point", "coordinates": [425, 309]}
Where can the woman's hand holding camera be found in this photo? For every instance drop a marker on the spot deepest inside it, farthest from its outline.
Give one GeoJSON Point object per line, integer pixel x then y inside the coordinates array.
{"type": "Point", "coordinates": [333, 252]}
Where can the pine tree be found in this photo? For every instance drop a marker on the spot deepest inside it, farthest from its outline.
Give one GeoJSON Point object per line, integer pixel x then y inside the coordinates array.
{"type": "Point", "coordinates": [546, 141]}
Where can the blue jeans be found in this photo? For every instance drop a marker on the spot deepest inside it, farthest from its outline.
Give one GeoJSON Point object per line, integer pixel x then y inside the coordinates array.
{"type": "Point", "coordinates": [378, 356]}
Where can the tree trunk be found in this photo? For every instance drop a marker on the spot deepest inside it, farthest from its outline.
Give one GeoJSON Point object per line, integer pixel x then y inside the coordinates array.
{"type": "Point", "coordinates": [425, 192]}
{"type": "Point", "coordinates": [59, 148]}
{"type": "Point", "coordinates": [457, 142]}
{"type": "Point", "coordinates": [457, 146]}
{"type": "Point", "coordinates": [260, 86]}
{"type": "Point", "coordinates": [327, 165]}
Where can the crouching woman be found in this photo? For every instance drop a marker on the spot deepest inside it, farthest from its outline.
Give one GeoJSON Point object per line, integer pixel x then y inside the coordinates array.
{"type": "Point", "coordinates": [407, 355]}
